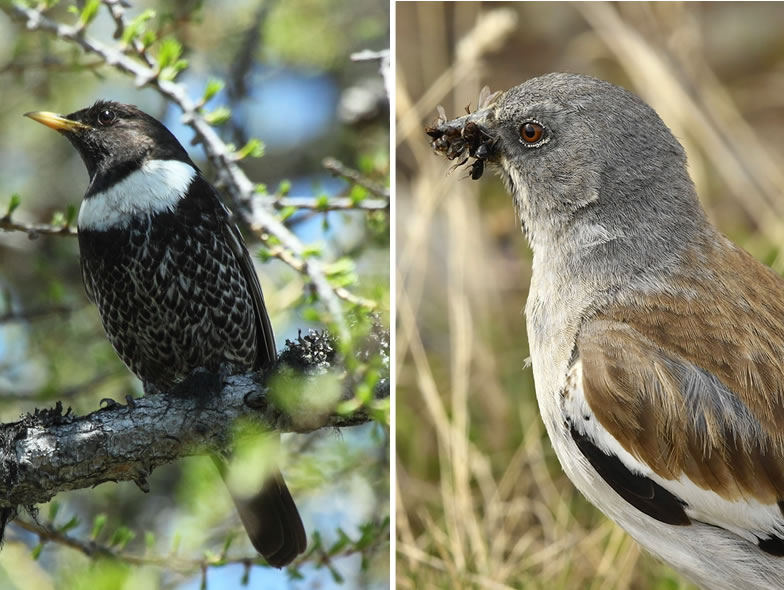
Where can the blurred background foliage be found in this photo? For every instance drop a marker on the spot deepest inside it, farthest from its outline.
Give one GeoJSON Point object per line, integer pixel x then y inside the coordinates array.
{"type": "Point", "coordinates": [286, 78]}
{"type": "Point", "coordinates": [482, 502]}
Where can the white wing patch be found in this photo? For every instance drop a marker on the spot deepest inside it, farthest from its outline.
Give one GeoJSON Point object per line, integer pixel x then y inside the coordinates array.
{"type": "Point", "coordinates": [156, 187]}
{"type": "Point", "coordinates": [747, 518]}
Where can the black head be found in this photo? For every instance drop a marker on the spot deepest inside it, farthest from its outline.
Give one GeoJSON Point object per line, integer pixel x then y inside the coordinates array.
{"type": "Point", "coordinates": [114, 139]}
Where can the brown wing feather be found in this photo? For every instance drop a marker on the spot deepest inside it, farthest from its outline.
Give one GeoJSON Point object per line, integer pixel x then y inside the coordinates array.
{"type": "Point", "coordinates": [693, 382]}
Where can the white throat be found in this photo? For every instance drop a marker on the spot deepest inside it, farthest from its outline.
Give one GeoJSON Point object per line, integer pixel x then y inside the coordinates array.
{"type": "Point", "coordinates": [155, 188]}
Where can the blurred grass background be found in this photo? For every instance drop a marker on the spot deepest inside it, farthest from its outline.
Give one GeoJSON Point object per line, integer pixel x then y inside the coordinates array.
{"type": "Point", "coordinates": [482, 501]}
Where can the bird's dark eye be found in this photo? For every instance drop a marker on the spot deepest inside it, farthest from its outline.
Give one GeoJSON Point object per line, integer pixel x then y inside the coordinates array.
{"type": "Point", "coordinates": [107, 117]}
{"type": "Point", "coordinates": [531, 132]}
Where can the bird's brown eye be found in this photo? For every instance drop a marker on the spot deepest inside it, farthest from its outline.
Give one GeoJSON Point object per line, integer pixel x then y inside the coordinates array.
{"type": "Point", "coordinates": [107, 117]}
{"type": "Point", "coordinates": [531, 132]}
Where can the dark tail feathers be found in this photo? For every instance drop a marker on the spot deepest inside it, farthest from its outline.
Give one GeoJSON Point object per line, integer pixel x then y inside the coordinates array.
{"type": "Point", "coordinates": [271, 520]}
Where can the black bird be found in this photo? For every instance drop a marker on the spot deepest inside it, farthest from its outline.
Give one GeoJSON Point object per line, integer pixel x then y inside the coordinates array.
{"type": "Point", "coordinates": [171, 276]}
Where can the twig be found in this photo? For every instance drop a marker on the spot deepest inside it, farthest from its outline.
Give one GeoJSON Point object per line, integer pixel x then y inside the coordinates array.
{"type": "Point", "coordinates": [333, 204]}
{"type": "Point", "coordinates": [370, 55]}
{"type": "Point", "coordinates": [298, 264]}
{"type": "Point", "coordinates": [117, 10]}
{"type": "Point", "coordinates": [338, 169]}
{"type": "Point", "coordinates": [48, 533]}
{"type": "Point", "coordinates": [33, 230]}
{"type": "Point", "coordinates": [25, 315]}
{"type": "Point", "coordinates": [50, 65]}
{"type": "Point", "coordinates": [384, 65]}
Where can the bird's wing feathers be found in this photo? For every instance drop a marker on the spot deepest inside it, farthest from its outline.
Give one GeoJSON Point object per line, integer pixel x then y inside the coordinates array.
{"type": "Point", "coordinates": [267, 353]}
{"type": "Point", "coordinates": [86, 281]}
{"type": "Point", "coordinates": [672, 408]}
{"type": "Point", "coordinates": [266, 338]}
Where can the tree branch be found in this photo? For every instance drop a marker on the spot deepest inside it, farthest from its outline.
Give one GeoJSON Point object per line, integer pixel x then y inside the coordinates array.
{"type": "Point", "coordinates": [33, 230]}
{"type": "Point", "coordinates": [317, 553]}
{"type": "Point", "coordinates": [52, 451]}
{"type": "Point", "coordinates": [339, 169]}
{"type": "Point", "coordinates": [332, 204]}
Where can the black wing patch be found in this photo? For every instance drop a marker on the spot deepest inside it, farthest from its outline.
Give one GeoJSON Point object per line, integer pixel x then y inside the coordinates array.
{"type": "Point", "coordinates": [639, 491]}
{"type": "Point", "coordinates": [773, 544]}
{"type": "Point", "coordinates": [267, 352]}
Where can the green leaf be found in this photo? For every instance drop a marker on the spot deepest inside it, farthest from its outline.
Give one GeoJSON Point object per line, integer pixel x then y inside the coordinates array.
{"type": "Point", "coordinates": [74, 522]}
{"type": "Point", "coordinates": [148, 38]}
{"type": "Point", "coordinates": [311, 250]}
{"type": "Point", "coordinates": [170, 73]}
{"type": "Point", "coordinates": [219, 116]}
{"type": "Point", "coordinates": [357, 194]}
{"type": "Point", "coordinates": [364, 393]}
{"type": "Point", "coordinates": [55, 290]}
{"type": "Point", "coordinates": [369, 532]}
{"type": "Point", "coordinates": [136, 26]}
{"type": "Point", "coordinates": [15, 201]}
{"type": "Point", "coordinates": [348, 406]}
{"type": "Point", "coordinates": [342, 272]}
{"type": "Point", "coordinates": [70, 215]}
{"type": "Point", "coordinates": [121, 537]}
{"type": "Point", "coordinates": [58, 218]}
{"type": "Point", "coordinates": [36, 553]}
{"type": "Point", "coordinates": [311, 315]}
{"type": "Point", "coordinates": [98, 524]}
{"type": "Point", "coordinates": [284, 187]}
{"type": "Point", "coordinates": [213, 87]}
{"type": "Point", "coordinates": [287, 212]}
{"type": "Point", "coordinates": [340, 267]}
{"type": "Point", "coordinates": [176, 543]}
{"type": "Point", "coordinates": [168, 52]}
{"type": "Point", "coordinates": [379, 411]}
{"type": "Point", "coordinates": [149, 540]}
{"type": "Point", "coordinates": [293, 573]}
{"type": "Point", "coordinates": [316, 542]}
{"type": "Point", "coordinates": [366, 164]}
{"type": "Point", "coordinates": [254, 148]}
{"type": "Point", "coordinates": [54, 508]}
{"type": "Point", "coordinates": [322, 203]}
{"type": "Point", "coordinates": [227, 544]}
{"type": "Point", "coordinates": [335, 574]}
{"type": "Point", "coordinates": [89, 12]}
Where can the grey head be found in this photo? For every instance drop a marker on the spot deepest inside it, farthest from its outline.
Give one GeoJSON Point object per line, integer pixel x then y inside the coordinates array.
{"type": "Point", "coordinates": [114, 140]}
{"type": "Point", "coordinates": [593, 170]}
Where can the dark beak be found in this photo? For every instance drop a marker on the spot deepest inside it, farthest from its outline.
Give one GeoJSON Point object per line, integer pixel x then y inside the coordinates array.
{"type": "Point", "coordinates": [57, 122]}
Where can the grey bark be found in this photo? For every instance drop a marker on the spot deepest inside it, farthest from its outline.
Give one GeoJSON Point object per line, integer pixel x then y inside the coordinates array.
{"type": "Point", "coordinates": [53, 450]}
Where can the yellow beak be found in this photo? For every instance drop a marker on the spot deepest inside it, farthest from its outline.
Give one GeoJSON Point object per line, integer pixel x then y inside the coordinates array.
{"type": "Point", "coordinates": [56, 122]}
